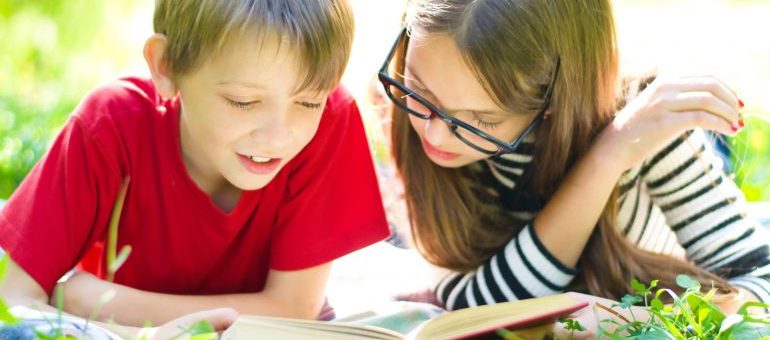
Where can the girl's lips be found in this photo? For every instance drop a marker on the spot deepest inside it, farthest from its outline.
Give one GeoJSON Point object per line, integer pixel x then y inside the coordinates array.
{"type": "Point", "coordinates": [259, 168]}
{"type": "Point", "coordinates": [436, 153]}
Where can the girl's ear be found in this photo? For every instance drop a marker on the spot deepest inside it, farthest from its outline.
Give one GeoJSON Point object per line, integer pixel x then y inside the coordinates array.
{"type": "Point", "coordinates": [154, 54]}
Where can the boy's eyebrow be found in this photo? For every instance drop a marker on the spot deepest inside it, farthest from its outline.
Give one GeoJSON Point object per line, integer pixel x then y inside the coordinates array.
{"type": "Point", "coordinates": [240, 83]}
{"type": "Point", "coordinates": [299, 92]}
{"type": "Point", "coordinates": [451, 111]}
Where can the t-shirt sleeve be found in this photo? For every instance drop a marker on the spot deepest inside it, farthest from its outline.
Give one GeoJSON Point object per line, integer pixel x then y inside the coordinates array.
{"type": "Point", "coordinates": [333, 204]}
{"type": "Point", "coordinates": [61, 207]}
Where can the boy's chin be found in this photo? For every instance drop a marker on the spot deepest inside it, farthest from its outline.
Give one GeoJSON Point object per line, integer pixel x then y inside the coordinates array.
{"type": "Point", "coordinates": [251, 182]}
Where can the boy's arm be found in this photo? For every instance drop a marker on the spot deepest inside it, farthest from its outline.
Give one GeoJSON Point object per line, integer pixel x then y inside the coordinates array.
{"type": "Point", "coordinates": [295, 294]}
{"type": "Point", "coordinates": [18, 288]}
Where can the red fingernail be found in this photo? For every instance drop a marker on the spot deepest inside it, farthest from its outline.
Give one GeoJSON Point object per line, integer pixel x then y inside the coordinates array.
{"type": "Point", "coordinates": [740, 103]}
{"type": "Point", "coordinates": [732, 127]}
{"type": "Point", "coordinates": [740, 122]}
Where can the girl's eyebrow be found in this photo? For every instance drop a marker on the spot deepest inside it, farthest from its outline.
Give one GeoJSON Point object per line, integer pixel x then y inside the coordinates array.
{"type": "Point", "coordinates": [414, 76]}
{"type": "Point", "coordinates": [417, 78]}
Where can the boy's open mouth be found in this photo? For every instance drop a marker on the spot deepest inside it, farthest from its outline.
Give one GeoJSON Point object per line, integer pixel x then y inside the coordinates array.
{"type": "Point", "coordinates": [259, 165]}
{"type": "Point", "coordinates": [258, 159]}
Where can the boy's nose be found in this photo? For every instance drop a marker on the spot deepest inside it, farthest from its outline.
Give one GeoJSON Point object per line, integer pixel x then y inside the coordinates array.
{"type": "Point", "coordinates": [276, 135]}
{"type": "Point", "coordinates": [437, 131]}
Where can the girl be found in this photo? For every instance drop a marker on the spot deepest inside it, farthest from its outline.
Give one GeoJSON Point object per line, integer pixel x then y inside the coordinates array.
{"type": "Point", "coordinates": [524, 179]}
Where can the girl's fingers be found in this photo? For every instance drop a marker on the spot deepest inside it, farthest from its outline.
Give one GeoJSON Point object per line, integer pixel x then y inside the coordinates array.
{"type": "Point", "coordinates": [705, 101]}
{"type": "Point", "coordinates": [708, 84]}
{"type": "Point", "coordinates": [702, 119]}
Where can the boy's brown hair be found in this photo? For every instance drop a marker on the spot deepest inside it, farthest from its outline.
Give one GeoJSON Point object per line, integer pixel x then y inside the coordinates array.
{"type": "Point", "coordinates": [321, 31]}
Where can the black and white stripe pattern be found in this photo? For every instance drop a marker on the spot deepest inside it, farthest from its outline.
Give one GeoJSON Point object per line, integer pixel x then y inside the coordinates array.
{"type": "Point", "coordinates": [678, 203]}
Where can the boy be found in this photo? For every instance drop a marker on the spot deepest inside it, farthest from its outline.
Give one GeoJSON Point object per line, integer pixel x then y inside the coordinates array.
{"type": "Point", "coordinates": [249, 172]}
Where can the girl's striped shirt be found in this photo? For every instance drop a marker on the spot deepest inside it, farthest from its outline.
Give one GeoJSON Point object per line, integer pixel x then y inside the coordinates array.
{"type": "Point", "coordinates": [679, 202]}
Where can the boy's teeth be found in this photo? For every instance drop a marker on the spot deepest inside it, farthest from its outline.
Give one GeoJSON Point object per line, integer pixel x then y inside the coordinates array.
{"type": "Point", "coordinates": [257, 159]}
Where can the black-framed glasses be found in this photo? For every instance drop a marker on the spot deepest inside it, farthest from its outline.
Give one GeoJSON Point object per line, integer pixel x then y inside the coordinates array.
{"type": "Point", "coordinates": [474, 137]}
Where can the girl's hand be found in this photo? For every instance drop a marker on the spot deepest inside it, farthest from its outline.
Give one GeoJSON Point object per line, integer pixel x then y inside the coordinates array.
{"type": "Point", "coordinates": [662, 112]}
{"type": "Point", "coordinates": [730, 305]}
{"type": "Point", "coordinates": [220, 319]}
{"type": "Point", "coordinates": [590, 317]}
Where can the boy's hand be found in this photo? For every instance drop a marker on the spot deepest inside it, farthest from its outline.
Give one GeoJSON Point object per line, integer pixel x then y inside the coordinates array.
{"type": "Point", "coordinates": [220, 319]}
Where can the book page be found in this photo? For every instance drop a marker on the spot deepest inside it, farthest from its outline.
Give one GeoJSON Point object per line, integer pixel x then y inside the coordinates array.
{"type": "Point", "coordinates": [485, 319]}
{"type": "Point", "coordinates": [250, 327]}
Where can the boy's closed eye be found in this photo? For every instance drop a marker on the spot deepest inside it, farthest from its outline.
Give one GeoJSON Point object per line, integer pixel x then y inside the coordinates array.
{"type": "Point", "coordinates": [309, 105]}
{"type": "Point", "coordinates": [242, 105]}
{"type": "Point", "coordinates": [248, 105]}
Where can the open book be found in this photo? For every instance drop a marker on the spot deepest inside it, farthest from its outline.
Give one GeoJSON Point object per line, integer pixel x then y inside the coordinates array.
{"type": "Point", "coordinates": [530, 318]}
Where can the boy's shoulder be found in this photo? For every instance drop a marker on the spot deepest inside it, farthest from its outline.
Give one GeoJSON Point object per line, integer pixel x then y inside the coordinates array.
{"type": "Point", "coordinates": [123, 99]}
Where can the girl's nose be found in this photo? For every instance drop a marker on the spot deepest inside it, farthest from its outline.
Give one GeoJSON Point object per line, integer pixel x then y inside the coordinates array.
{"type": "Point", "coordinates": [437, 131]}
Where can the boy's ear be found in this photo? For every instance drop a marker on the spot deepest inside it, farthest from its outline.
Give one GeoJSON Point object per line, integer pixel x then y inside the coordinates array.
{"type": "Point", "coordinates": [154, 54]}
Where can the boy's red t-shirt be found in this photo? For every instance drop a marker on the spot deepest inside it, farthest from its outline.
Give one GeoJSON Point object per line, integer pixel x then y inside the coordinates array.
{"type": "Point", "coordinates": [323, 204]}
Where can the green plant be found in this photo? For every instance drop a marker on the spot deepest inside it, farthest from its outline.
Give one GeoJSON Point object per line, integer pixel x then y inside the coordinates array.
{"type": "Point", "coordinates": [114, 261]}
{"type": "Point", "coordinates": [572, 325]}
{"type": "Point", "coordinates": [750, 155]}
{"type": "Point", "coordinates": [692, 315]}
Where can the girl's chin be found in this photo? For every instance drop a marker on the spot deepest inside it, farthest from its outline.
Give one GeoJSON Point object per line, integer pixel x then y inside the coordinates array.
{"type": "Point", "coordinates": [453, 163]}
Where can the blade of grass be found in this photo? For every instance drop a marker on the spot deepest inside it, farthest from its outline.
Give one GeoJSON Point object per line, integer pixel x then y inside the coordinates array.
{"type": "Point", "coordinates": [112, 236]}
{"type": "Point", "coordinates": [59, 304]}
{"type": "Point", "coordinates": [611, 311]}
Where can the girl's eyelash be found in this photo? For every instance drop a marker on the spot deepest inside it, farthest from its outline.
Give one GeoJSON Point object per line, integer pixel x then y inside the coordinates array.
{"type": "Point", "coordinates": [484, 124]}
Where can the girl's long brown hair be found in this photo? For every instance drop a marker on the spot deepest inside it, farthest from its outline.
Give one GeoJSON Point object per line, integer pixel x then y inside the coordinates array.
{"type": "Point", "coordinates": [512, 47]}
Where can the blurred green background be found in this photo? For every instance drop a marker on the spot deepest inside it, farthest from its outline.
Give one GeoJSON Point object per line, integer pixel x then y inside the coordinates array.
{"type": "Point", "coordinates": [53, 52]}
